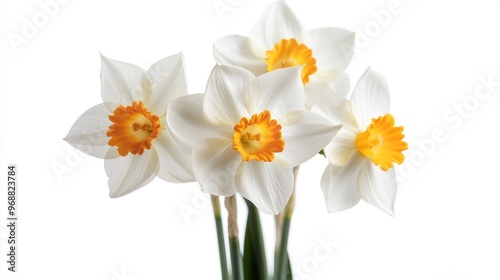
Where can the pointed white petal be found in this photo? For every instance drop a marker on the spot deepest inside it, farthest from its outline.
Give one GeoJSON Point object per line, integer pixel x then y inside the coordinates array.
{"type": "Point", "coordinates": [370, 98]}
{"type": "Point", "coordinates": [186, 121]}
{"type": "Point", "coordinates": [88, 133]}
{"type": "Point", "coordinates": [337, 111]}
{"type": "Point", "coordinates": [305, 134]}
{"type": "Point", "coordinates": [378, 187]}
{"type": "Point", "coordinates": [122, 83]}
{"type": "Point", "coordinates": [333, 49]}
{"type": "Point", "coordinates": [175, 166]}
{"type": "Point", "coordinates": [342, 85]}
{"type": "Point", "coordinates": [240, 51]}
{"type": "Point", "coordinates": [168, 82]}
{"type": "Point", "coordinates": [224, 101]}
{"type": "Point", "coordinates": [266, 184]}
{"type": "Point", "coordinates": [277, 22]}
{"type": "Point", "coordinates": [280, 91]}
{"type": "Point", "coordinates": [129, 173]}
{"type": "Point", "coordinates": [339, 185]}
{"type": "Point", "coordinates": [215, 164]}
{"type": "Point", "coordinates": [317, 92]}
{"type": "Point", "coordinates": [342, 147]}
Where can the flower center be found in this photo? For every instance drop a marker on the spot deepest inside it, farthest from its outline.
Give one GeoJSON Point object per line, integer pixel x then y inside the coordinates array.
{"type": "Point", "coordinates": [133, 129]}
{"type": "Point", "coordinates": [382, 142]}
{"type": "Point", "coordinates": [258, 138]}
{"type": "Point", "coordinates": [288, 53]}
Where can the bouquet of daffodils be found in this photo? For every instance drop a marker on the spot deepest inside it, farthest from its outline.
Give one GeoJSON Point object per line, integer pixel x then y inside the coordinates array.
{"type": "Point", "coordinates": [273, 101]}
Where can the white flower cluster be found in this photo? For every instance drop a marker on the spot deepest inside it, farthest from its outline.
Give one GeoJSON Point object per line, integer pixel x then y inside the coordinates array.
{"type": "Point", "coordinates": [271, 103]}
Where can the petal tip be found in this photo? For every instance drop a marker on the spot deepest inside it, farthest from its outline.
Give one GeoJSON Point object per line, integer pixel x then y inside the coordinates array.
{"type": "Point", "coordinates": [390, 212]}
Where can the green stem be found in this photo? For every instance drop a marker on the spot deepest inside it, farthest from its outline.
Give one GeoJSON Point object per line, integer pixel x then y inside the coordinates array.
{"type": "Point", "coordinates": [282, 256]}
{"type": "Point", "coordinates": [220, 237]}
{"type": "Point", "coordinates": [282, 263]}
{"type": "Point", "coordinates": [236, 260]}
{"type": "Point", "coordinates": [233, 234]}
{"type": "Point", "coordinates": [279, 226]}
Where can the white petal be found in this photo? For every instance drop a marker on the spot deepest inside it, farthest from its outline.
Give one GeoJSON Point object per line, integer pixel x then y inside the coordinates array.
{"type": "Point", "coordinates": [342, 85]}
{"type": "Point", "coordinates": [280, 91]}
{"type": "Point", "coordinates": [378, 187]}
{"type": "Point", "coordinates": [277, 22]}
{"type": "Point", "coordinates": [129, 173]}
{"type": "Point", "coordinates": [121, 83]}
{"type": "Point", "coordinates": [214, 164]}
{"type": "Point", "coordinates": [333, 49]}
{"type": "Point", "coordinates": [337, 110]}
{"type": "Point", "coordinates": [186, 121]}
{"type": "Point", "coordinates": [88, 133]}
{"type": "Point", "coordinates": [175, 166]}
{"type": "Point", "coordinates": [305, 134]}
{"type": "Point", "coordinates": [342, 147]}
{"type": "Point", "coordinates": [266, 184]}
{"type": "Point", "coordinates": [224, 101]}
{"type": "Point", "coordinates": [168, 81]}
{"type": "Point", "coordinates": [339, 185]}
{"type": "Point", "coordinates": [370, 98]}
{"type": "Point", "coordinates": [240, 51]}
{"type": "Point", "coordinates": [317, 92]}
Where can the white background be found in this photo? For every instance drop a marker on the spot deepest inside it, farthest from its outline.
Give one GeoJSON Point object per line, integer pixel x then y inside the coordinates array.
{"type": "Point", "coordinates": [432, 54]}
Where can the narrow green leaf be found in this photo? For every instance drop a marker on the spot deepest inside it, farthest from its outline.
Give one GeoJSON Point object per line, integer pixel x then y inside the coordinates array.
{"type": "Point", "coordinates": [254, 255]}
{"type": "Point", "coordinates": [249, 259]}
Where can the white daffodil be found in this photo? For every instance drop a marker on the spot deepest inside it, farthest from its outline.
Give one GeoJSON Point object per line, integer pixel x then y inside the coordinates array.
{"type": "Point", "coordinates": [246, 134]}
{"type": "Point", "coordinates": [279, 40]}
{"type": "Point", "coordinates": [129, 130]}
{"type": "Point", "coordinates": [363, 152]}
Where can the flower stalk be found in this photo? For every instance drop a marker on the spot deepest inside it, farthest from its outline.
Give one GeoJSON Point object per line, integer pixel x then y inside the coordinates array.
{"type": "Point", "coordinates": [220, 237]}
{"type": "Point", "coordinates": [233, 234]}
{"type": "Point", "coordinates": [283, 227]}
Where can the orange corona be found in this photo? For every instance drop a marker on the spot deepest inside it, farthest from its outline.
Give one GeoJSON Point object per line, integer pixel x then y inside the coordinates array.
{"type": "Point", "coordinates": [258, 138]}
{"type": "Point", "coordinates": [133, 129]}
{"type": "Point", "coordinates": [382, 142]}
{"type": "Point", "coordinates": [288, 53]}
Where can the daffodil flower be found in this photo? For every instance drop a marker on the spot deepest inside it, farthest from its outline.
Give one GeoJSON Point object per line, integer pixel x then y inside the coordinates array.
{"type": "Point", "coordinates": [279, 40]}
{"type": "Point", "coordinates": [246, 133]}
{"type": "Point", "coordinates": [129, 130]}
{"type": "Point", "coordinates": [363, 153]}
